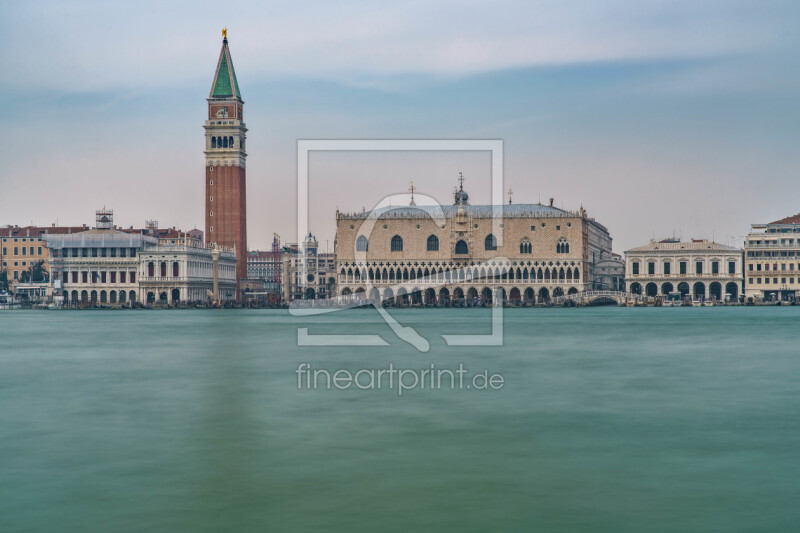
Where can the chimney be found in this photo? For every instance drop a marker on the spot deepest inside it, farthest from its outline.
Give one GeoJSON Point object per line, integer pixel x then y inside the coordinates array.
{"type": "Point", "coordinates": [551, 202]}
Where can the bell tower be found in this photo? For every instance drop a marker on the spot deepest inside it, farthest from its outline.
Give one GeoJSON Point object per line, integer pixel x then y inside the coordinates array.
{"type": "Point", "coordinates": [226, 196]}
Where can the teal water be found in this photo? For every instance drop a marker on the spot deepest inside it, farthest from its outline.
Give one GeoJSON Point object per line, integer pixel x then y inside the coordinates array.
{"type": "Point", "coordinates": [610, 419]}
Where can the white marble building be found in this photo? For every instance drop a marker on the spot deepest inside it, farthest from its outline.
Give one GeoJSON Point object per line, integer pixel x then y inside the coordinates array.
{"type": "Point", "coordinates": [772, 260]}
{"type": "Point", "coordinates": [697, 268]}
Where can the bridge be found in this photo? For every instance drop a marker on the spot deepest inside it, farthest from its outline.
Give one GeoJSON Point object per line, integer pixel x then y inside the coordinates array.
{"type": "Point", "coordinates": [598, 298]}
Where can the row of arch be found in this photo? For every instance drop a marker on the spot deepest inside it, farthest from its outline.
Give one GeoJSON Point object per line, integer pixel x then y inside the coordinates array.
{"type": "Point", "coordinates": [434, 275]}
{"type": "Point", "coordinates": [698, 290]}
{"type": "Point", "coordinates": [432, 245]}
{"type": "Point", "coordinates": [222, 142]}
{"type": "Point", "coordinates": [472, 295]}
{"type": "Point", "coordinates": [100, 297]}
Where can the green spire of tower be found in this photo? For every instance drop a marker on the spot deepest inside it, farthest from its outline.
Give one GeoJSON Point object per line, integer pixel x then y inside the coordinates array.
{"type": "Point", "coordinates": [225, 84]}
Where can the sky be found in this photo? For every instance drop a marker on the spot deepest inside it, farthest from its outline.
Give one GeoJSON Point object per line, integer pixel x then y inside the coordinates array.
{"type": "Point", "coordinates": [660, 118]}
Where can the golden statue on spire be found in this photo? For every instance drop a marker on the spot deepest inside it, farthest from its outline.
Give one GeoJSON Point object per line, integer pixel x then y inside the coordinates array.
{"type": "Point", "coordinates": [224, 33]}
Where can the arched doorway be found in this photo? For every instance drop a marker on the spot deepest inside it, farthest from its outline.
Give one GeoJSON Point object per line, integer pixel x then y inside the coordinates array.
{"type": "Point", "coordinates": [132, 297]}
{"type": "Point", "coordinates": [515, 295]}
{"type": "Point", "coordinates": [501, 294]}
{"type": "Point", "coordinates": [151, 297]}
{"type": "Point", "coordinates": [486, 295]}
{"type": "Point", "coordinates": [572, 290]}
{"type": "Point", "coordinates": [74, 297]}
{"type": "Point", "coordinates": [458, 294]}
{"type": "Point", "coordinates": [93, 297]}
{"type": "Point", "coordinates": [472, 295]}
{"type": "Point", "coordinates": [683, 288]}
{"type": "Point", "coordinates": [361, 295]}
{"type": "Point", "coordinates": [732, 289]}
{"type": "Point", "coordinates": [544, 295]}
{"type": "Point", "coordinates": [715, 291]}
{"type": "Point", "coordinates": [558, 291]}
{"type": "Point", "coordinates": [529, 295]}
{"type": "Point", "coordinates": [667, 288]}
{"type": "Point", "coordinates": [375, 296]}
{"type": "Point", "coordinates": [103, 297]}
{"type": "Point", "coordinates": [310, 293]}
{"type": "Point", "coordinates": [416, 296]}
{"type": "Point", "coordinates": [112, 297]}
{"type": "Point", "coordinates": [84, 297]}
{"type": "Point", "coordinates": [636, 288]}
{"type": "Point", "coordinates": [163, 296]}
{"type": "Point", "coordinates": [388, 296]}
{"type": "Point", "coordinates": [444, 295]}
{"type": "Point", "coordinates": [176, 295]}
{"type": "Point", "coordinates": [699, 290]}
{"type": "Point", "coordinates": [402, 296]}
{"type": "Point", "coordinates": [122, 297]}
{"type": "Point", "coordinates": [651, 289]}
{"type": "Point", "coordinates": [430, 296]}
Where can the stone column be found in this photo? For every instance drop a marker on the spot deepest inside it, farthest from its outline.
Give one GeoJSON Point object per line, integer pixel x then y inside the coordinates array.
{"type": "Point", "coordinates": [286, 284]}
{"type": "Point", "coordinates": [215, 268]}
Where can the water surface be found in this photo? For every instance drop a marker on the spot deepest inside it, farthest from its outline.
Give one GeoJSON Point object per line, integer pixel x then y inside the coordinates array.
{"type": "Point", "coordinates": [610, 419]}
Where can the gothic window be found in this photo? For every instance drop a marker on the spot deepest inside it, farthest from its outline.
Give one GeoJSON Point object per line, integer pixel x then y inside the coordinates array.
{"type": "Point", "coordinates": [461, 247]}
{"type": "Point", "coordinates": [525, 247]}
{"type": "Point", "coordinates": [230, 141]}
{"type": "Point", "coordinates": [213, 142]}
{"type": "Point", "coordinates": [362, 244]}
{"type": "Point", "coordinates": [397, 243]}
{"type": "Point", "coordinates": [490, 243]}
{"type": "Point", "coordinates": [433, 243]}
{"type": "Point", "coordinates": [562, 246]}
{"type": "Point", "coordinates": [224, 142]}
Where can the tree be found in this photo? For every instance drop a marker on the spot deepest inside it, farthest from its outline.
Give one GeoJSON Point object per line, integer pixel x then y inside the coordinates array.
{"type": "Point", "coordinates": [36, 274]}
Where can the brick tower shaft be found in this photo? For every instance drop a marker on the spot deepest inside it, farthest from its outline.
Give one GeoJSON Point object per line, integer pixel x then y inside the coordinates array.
{"type": "Point", "coordinates": [226, 190]}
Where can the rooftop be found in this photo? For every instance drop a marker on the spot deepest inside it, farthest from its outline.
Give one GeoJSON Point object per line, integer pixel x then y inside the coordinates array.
{"type": "Point", "coordinates": [676, 245]}
{"type": "Point", "coordinates": [794, 219]}
{"type": "Point", "coordinates": [449, 211]}
{"type": "Point", "coordinates": [225, 84]}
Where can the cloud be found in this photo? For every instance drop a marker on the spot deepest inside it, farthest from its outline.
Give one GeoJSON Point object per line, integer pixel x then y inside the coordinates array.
{"type": "Point", "coordinates": [96, 46]}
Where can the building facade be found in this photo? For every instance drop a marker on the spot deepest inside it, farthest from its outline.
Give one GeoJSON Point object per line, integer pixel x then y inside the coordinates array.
{"type": "Point", "coordinates": [109, 266]}
{"type": "Point", "coordinates": [772, 260]}
{"type": "Point", "coordinates": [697, 268]}
{"type": "Point", "coordinates": [460, 253]}
{"type": "Point", "coordinates": [609, 273]}
{"type": "Point", "coordinates": [21, 248]}
{"type": "Point", "coordinates": [184, 273]}
{"type": "Point", "coordinates": [96, 266]}
{"type": "Point", "coordinates": [264, 268]}
{"type": "Point", "coordinates": [307, 274]}
{"type": "Point", "coordinates": [226, 194]}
